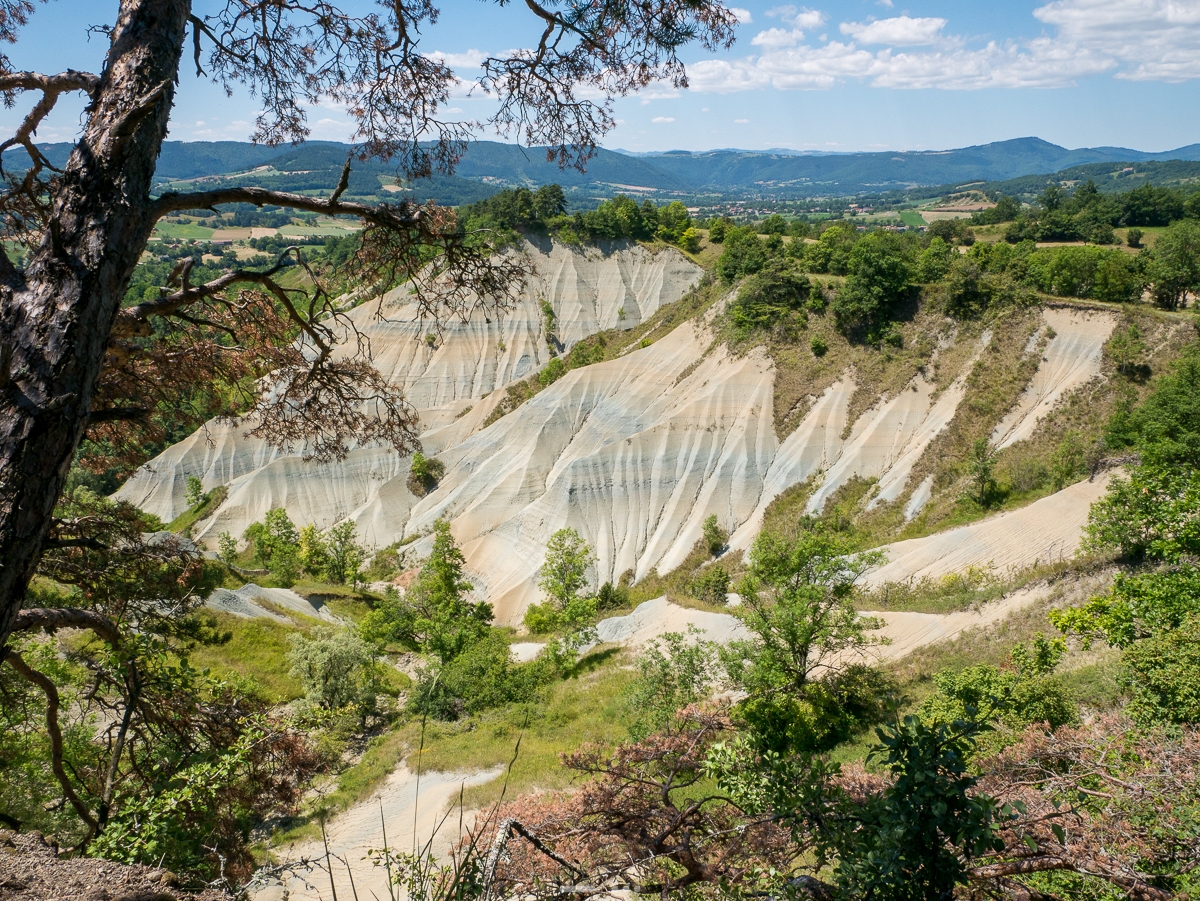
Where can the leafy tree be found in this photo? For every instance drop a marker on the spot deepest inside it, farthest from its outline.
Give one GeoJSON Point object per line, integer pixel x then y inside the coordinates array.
{"type": "Point", "coordinates": [796, 602]}
{"type": "Point", "coordinates": [313, 553]}
{"type": "Point", "coordinates": [1026, 692]}
{"type": "Point", "coordinates": [1134, 237]}
{"type": "Point", "coordinates": [770, 297]}
{"type": "Point", "coordinates": [226, 548]}
{"type": "Point", "coordinates": [935, 261]}
{"type": "Point", "coordinates": [1165, 428]}
{"type": "Point", "coordinates": [981, 466]}
{"type": "Point", "coordinates": [111, 728]}
{"type": "Point", "coordinates": [345, 555]}
{"type": "Point", "coordinates": [336, 668]}
{"type": "Point", "coordinates": [564, 572]}
{"type": "Point", "coordinates": [714, 536]}
{"type": "Point", "coordinates": [195, 492]}
{"type": "Point", "coordinates": [1151, 514]}
{"type": "Point", "coordinates": [674, 671]}
{"type": "Point", "coordinates": [914, 840]}
{"type": "Point", "coordinates": [483, 677]}
{"type": "Point", "coordinates": [1126, 349]}
{"type": "Point", "coordinates": [62, 326]}
{"type": "Point", "coordinates": [743, 254]}
{"type": "Point", "coordinates": [1163, 674]}
{"type": "Point", "coordinates": [434, 617]}
{"type": "Point", "coordinates": [611, 597]}
{"type": "Point", "coordinates": [879, 278]}
{"type": "Point", "coordinates": [1174, 264]}
{"type": "Point", "coordinates": [1068, 460]}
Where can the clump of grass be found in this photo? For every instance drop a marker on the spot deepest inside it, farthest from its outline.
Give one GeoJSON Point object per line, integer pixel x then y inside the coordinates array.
{"type": "Point", "coordinates": [257, 649]}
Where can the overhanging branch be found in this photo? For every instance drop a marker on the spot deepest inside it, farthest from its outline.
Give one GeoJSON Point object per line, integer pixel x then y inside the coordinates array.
{"type": "Point", "coordinates": [388, 217]}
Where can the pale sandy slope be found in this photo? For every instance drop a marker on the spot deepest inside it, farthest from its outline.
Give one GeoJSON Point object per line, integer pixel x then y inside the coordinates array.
{"type": "Point", "coordinates": [589, 291]}
{"type": "Point", "coordinates": [1046, 531]}
{"type": "Point", "coordinates": [634, 453]}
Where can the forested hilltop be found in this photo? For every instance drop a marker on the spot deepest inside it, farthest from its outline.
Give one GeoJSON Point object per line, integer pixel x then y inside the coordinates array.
{"type": "Point", "coordinates": [200, 711]}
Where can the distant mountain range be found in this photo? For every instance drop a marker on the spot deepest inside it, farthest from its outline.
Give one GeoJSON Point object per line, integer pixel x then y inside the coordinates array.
{"type": "Point", "coordinates": [710, 175]}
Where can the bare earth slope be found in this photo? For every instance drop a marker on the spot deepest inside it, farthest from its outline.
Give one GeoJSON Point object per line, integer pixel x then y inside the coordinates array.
{"type": "Point", "coordinates": [634, 453]}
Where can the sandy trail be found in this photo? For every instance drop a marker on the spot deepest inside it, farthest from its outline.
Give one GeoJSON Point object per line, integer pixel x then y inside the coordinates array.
{"type": "Point", "coordinates": [360, 829]}
{"type": "Point", "coordinates": [909, 631]}
{"type": "Point", "coordinates": [1047, 530]}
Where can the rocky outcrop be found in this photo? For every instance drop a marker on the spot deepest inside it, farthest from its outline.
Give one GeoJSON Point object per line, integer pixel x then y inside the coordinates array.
{"type": "Point", "coordinates": [633, 453]}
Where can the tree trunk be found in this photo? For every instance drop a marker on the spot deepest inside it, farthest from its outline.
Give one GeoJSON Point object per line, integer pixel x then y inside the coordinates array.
{"type": "Point", "coordinates": [56, 317]}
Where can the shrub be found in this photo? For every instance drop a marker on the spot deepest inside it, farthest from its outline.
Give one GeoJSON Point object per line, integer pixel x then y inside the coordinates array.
{"type": "Point", "coordinates": [818, 346]}
{"type": "Point", "coordinates": [553, 371]}
{"type": "Point", "coordinates": [673, 671]}
{"type": "Point", "coordinates": [424, 474]}
{"type": "Point", "coordinates": [714, 536]}
{"type": "Point", "coordinates": [711, 585]}
{"type": "Point", "coordinates": [336, 668]}
{"type": "Point", "coordinates": [773, 295]}
{"type": "Point", "coordinates": [194, 495]}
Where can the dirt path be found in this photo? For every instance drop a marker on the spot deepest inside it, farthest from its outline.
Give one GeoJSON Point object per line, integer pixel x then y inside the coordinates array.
{"type": "Point", "coordinates": [407, 813]}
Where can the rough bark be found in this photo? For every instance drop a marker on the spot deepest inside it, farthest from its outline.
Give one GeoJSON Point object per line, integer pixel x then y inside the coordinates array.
{"type": "Point", "coordinates": [55, 322]}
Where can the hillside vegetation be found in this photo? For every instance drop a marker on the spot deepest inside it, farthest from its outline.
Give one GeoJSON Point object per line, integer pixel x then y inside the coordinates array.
{"type": "Point", "coordinates": [813, 394]}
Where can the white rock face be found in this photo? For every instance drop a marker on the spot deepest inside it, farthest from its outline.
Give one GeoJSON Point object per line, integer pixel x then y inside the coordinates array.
{"type": "Point", "coordinates": [1071, 359]}
{"type": "Point", "coordinates": [1046, 531]}
{"type": "Point", "coordinates": [633, 453]}
{"type": "Point", "coordinates": [589, 291]}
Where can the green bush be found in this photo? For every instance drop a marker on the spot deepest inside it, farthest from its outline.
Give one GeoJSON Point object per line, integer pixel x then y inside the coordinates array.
{"type": "Point", "coordinates": [553, 371]}
{"type": "Point", "coordinates": [772, 296]}
{"type": "Point", "coordinates": [1024, 693]}
{"type": "Point", "coordinates": [336, 668]}
{"type": "Point", "coordinates": [818, 346]}
{"type": "Point", "coordinates": [711, 585]}
{"type": "Point", "coordinates": [424, 473]}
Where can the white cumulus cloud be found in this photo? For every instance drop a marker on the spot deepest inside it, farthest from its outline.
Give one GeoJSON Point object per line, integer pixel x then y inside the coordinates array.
{"type": "Point", "coordinates": [743, 15]}
{"type": "Point", "coordinates": [900, 31]}
{"type": "Point", "coordinates": [663, 119]}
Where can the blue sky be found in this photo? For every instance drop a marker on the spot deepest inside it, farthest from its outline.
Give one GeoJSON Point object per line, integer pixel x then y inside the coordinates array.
{"type": "Point", "coordinates": [852, 75]}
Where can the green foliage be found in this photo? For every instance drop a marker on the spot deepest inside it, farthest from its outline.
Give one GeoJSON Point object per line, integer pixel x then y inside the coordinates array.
{"type": "Point", "coordinates": [226, 548]}
{"type": "Point", "coordinates": [1151, 514]}
{"type": "Point", "coordinates": [424, 473]}
{"type": "Point", "coordinates": [552, 372]}
{"type": "Point", "coordinates": [674, 671]}
{"type": "Point", "coordinates": [1138, 607]}
{"type": "Point", "coordinates": [1173, 267]}
{"type": "Point", "coordinates": [711, 585]}
{"type": "Point", "coordinates": [194, 494]}
{"type": "Point", "coordinates": [879, 279]}
{"type": "Point", "coordinates": [277, 545]}
{"type": "Point", "coordinates": [912, 841]}
{"type": "Point", "coordinates": [612, 597]}
{"type": "Point", "coordinates": [434, 617]}
{"type": "Point", "coordinates": [337, 669]}
{"type": "Point", "coordinates": [564, 573]}
{"type": "Point", "coordinates": [934, 262]}
{"type": "Point", "coordinates": [981, 467]}
{"type": "Point", "coordinates": [483, 677]}
{"type": "Point", "coordinates": [1127, 351]}
{"type": "Point", "coordinates": [951, 231]}
{"type": "Point", "coordinates": [744, 253]}
{"type": "Point", "coordinates": [822, 715]}
{"type": "Point", "coordinates": [797, 604]}
{"type": "Point", "coordinates": [1134, 237]}
{"type": "Point", "coordinates": [717, 229]}
{"type": "Point", "coordinates": [1023, 693]}
{"type": "Point", "coordinates": [831, 253]}
{"type": "Point", "coordinates": [818, 346]}
{"type": "Point", "coordinates": [1091, 272]}
{"type": "Point", "coordinates": [1163, 674]}
{"type": "Point", "coordinates": [1165, 429]}
{"type": "Point", "coordinates": [344, 555]}
{"type": "Point", "coordinates": [772, 297]}
{"type": "Point", "coordinates": [1068, 461]}
{"type": "Point", "coordinates": [714, 536]}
